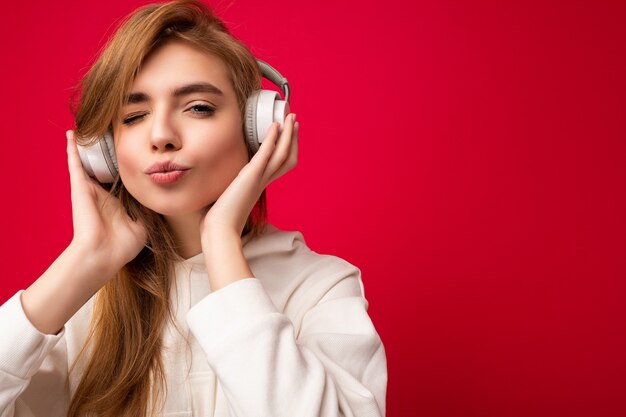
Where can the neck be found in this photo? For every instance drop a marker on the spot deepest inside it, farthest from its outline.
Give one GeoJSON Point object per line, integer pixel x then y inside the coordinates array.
{"type": "Point", "coordinates": [186, 230]}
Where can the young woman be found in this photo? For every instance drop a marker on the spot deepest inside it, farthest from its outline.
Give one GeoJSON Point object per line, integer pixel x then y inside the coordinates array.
{"type": "Point", "coordinates": [175, 297]}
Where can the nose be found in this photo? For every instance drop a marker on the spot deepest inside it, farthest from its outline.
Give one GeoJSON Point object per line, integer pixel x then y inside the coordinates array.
{"type": "Point", "coordinates": [164, 134]}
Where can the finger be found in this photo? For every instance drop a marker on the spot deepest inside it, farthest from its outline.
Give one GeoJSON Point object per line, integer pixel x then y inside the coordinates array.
{"type": "Point", "coordinates": [284, 142]}
{"type": "Point", "coordinates": [294, 136]}
{"type": "Point", "coordinates": [79, 179]}
{"type": "Point", "coordinates": [283, 145]}
{"type": "Point", "coordinates": [266, 149]}
{"type": "Point", "coordinates": [292, 160]}
{"type": "Point", "coordinates": [77, 172]}
{"type": "Point", "coordinates": [293, 156]}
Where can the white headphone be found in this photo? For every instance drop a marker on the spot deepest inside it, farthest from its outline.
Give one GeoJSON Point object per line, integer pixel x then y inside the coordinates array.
{"type": "Point", "coordinates": [263, 108]}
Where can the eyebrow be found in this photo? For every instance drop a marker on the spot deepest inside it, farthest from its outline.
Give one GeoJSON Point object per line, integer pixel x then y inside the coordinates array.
{"type": "Point", "coordinates": [139, 97]}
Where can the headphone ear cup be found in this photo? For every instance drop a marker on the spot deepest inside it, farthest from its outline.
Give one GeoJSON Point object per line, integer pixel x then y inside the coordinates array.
{"type": "Point", "coordinates": [250, 127]}
{"type": "Point", "coordinates": [99, 159]}
{"type": "Point", "coordinates": [263, 108]}
{"type": "Point", "coordinates": [109, 146]}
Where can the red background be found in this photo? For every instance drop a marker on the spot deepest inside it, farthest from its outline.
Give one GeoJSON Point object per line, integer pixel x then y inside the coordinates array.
{"type": "Point", "coordinates": [469, 157]}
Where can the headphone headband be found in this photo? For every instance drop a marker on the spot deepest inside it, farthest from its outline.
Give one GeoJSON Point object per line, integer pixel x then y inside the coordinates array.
{"type": "Point", "coordinates": [275, 77]}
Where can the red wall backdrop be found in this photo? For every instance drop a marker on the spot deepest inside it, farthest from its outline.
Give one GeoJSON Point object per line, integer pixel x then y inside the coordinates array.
{"type": "Point", "coordinates": [469, 157]}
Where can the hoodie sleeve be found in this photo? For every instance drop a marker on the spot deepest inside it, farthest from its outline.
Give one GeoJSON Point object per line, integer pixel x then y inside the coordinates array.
{"type": "Point", "coordinates": [33, 366]}
{"type": "Point", "coordinates": [335, 366]}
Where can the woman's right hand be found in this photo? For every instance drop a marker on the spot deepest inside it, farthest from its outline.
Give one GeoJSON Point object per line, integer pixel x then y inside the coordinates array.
{"type": "Point", "coordinates": [105, 239]}
{"type": "Point", "coordinates": [102, 228]}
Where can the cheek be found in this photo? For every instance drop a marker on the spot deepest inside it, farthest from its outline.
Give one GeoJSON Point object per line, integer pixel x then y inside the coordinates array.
{"type": "Point", "coordinates": [127, 163]}
{"type": "Point", "coordinates": [223, 150]}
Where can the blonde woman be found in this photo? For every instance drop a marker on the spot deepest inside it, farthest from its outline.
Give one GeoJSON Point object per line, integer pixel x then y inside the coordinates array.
{"type": "Point", "coordinates": [175, 296]}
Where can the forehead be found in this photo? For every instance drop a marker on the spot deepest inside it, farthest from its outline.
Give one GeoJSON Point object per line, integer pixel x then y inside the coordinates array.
{"type": "Point", "coordinates": [177, 63]}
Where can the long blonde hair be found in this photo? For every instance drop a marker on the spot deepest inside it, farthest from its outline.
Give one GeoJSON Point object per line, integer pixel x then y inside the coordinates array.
{"type": "Point", "coordinates": [124, 375]}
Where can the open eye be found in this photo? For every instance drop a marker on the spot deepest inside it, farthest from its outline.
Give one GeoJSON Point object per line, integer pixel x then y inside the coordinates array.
{"type": "Point", "coordinates": [202, 109]}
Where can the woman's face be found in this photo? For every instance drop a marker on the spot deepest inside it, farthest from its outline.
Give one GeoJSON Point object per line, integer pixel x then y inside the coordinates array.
{"type": "Point", "coordinates": [182, 109]}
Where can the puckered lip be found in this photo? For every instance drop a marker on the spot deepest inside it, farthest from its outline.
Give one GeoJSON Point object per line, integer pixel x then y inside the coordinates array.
{"type": "Point", "coordinates": [165, 166]}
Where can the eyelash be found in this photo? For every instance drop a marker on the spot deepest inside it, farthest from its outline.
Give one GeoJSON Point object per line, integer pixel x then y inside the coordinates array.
{"type": "Point", "coordinates": [205, 110]}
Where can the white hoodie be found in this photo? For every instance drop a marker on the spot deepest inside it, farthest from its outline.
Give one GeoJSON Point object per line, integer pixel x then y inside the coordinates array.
{"type": "Point", "coordinates": [295, 340]}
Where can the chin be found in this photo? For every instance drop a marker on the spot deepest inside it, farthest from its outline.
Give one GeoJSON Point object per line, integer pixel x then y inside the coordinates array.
{"type": "Point", "coordinates": [178, 208]}
{"type": "Point", "coordinates": [179, 201]}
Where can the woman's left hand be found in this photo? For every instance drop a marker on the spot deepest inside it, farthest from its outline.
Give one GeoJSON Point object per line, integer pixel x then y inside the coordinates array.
{"type": "Point", "coordinates": [277, 155]}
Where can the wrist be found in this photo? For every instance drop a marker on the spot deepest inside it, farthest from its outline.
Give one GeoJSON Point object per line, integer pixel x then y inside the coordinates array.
{"type": "Point", "coordinates": [93, 263]}
{"type": "Point", "coordinates": [218, 236]}
{"type": "Point", "coordinates": [62, 289]}
{"type": "Point", "coordinates": [225, 260]}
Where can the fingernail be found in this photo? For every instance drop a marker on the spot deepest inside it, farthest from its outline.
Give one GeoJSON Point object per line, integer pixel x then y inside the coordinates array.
{"type": "Point", "coordinates": [293, 117]}
{"type": "Point", "coordinates": [67, 134]}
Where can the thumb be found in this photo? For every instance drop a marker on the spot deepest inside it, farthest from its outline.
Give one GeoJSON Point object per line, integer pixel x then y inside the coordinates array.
{"type": "Point", "coordinates": [77, 172]}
